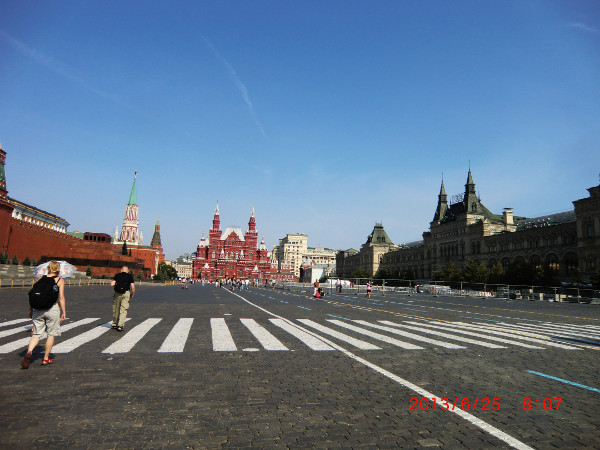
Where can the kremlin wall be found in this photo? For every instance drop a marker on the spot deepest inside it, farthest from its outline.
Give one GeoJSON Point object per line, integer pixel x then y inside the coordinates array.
{"type": "Point", "coordinates": [29, 232]}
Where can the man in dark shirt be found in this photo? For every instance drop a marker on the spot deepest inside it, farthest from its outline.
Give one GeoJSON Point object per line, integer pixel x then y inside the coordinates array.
{"type": "Point", "coordinates": [124, 290]}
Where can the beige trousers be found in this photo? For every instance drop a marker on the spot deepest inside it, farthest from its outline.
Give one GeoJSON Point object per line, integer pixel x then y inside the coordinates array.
{"type": "Point", "coordinates": [120, 307]}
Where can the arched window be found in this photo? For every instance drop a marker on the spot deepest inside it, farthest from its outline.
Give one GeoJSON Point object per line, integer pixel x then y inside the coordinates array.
{"type": "Point", "coordinates": [571, 264]}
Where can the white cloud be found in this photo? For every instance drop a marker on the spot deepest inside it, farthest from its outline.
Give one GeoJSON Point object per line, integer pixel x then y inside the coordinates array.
{"type": "Point", "coordinates": [238, 84]}
{"type": "Point", "coordinates": [583, 27]}
{"type": "Point", "coordinates": [62, 69]}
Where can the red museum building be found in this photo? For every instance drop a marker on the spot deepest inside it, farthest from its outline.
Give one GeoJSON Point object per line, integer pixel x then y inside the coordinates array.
{"type": "Point", "coordinates": [231, 254]}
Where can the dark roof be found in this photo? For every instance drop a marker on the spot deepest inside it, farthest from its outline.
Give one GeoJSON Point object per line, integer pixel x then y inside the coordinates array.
{"type": "Point", "coordinates": [460, 208]}
{"type": "Point", "coordinates": [379, 236]}
{"type": "Point", "coordinates": [547, 221]}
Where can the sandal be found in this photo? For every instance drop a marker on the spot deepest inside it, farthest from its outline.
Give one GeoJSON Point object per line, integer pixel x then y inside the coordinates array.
{"type": "Point", "coordinates": [25, 362]}
{"type": "Point", "coordinates": [47, 362]}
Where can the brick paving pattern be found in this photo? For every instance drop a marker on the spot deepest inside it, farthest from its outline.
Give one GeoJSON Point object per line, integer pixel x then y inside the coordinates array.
{"type": "Point", "coordinates": [299, 397]}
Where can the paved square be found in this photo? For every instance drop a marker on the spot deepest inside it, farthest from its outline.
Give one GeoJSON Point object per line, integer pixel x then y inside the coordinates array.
{"type": "Point", "coordinates": [210, 368]}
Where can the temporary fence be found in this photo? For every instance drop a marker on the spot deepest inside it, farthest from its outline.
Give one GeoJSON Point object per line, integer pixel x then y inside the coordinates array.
{"type": "Point", "coordinates": [358, 286]}
{"type": "Point", "coordinates": [22, 283]}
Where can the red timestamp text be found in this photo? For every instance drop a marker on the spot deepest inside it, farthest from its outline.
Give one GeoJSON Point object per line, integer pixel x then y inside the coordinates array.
{"type": "Point", "coordinates": [541, 403]}
{"type": "Point", "coordinates": [465, 403]}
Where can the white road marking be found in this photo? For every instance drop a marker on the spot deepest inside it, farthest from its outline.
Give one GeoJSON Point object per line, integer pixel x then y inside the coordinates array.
{"type": "Point", "coordinates": [409, 335]}
{"type": "Point", "coordinates": [266, 339]}
{"type": "Point", "coordinates": [362, 345]}
{"type": "Point", "coordinates": [20, 343]}
{"type": "Point", "coordinates": [379, 337]}
{"type": "Point", "coordinates": [308, 338]}
{"type": "Point", "coordinates": [551, 331]}
{"type": "Point", "coordinates": [514, 335]}
{"type": "Point", "coordinates": [486, 427]}
{"type": "Point", "coordinates": [221, 337]}
{"type": "Point", "coordinates": [446, 335]}
{"type": "Point", "coordinates": [15, 330]}
{"type": "Point", "coordinates": [12, 322]}
{"type": "Point", "coordinates": [440, 326]}
{"type": "Point", "coordinates": [131, 337]}
{"type": "Point", "coordinates": [176, 339]}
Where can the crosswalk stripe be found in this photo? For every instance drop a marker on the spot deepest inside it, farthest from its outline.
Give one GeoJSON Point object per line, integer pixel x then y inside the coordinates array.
{"type": "Point", "coordinates": [12, 322]}
{"type": "Point", "coordinates": [266, 339]}
{"type": "Point", "coordinates": [311, 341]}
{"type": "Point", "coordinates": [409, 335]}
{"type": "Point", "coordinates": [132, 337]}
{"type": "Point", "coordinates": [570, 329]}
{"type": "Point", "coordinates": [446, 335]}
{"type": "Point", "coordinates": [362, 345]}
{"type": "Point", "coordinates": [550, 331]}
{"type": "Point", "coordinates": [15, 330]}
{"type": "Point", "coordinates": [489, 329]}
{"type": "Point", "coordinates": [221, 337]}
{"type": "Point", "coordinates": [378, 336]}
{"type": "Point", "coordinates": [20, 343]}
{"type": "Point", "coordinates": [176, 339]}
{"type": "Point", "coordinates": [440, 326]}
{"type": "Point", "coordinates": [77, 341]}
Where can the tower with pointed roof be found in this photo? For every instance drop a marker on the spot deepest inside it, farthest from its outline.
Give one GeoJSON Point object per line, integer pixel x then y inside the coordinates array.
{"type": "Point", "coordinates": [442, 205]}
{"type": "Point", "coordinates": [3, 191]}
{"type": "Point", "coordinates": [156, 236]}
{"type": "Point", "coordinates": [130, 230]}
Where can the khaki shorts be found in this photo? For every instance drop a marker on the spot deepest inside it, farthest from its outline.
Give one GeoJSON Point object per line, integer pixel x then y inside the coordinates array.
{"type": "Point", "coordinates": [47, 320]}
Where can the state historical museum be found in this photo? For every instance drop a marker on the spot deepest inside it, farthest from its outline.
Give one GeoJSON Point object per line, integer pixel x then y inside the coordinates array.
{"type": "Point", "coordinates": [231, 254]}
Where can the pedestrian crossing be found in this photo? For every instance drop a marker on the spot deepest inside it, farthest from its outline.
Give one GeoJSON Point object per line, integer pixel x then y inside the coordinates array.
{"type": "Point", "coordinates": [278, 334]}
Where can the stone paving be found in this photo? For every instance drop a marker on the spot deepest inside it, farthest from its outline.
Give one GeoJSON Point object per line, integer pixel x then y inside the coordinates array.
{"type": "Point", "coordinates": [201, 398]}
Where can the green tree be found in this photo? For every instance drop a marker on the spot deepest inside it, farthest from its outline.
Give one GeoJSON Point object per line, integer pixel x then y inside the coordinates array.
{"type": "Point", "coordinates": [124, 248]}
{"type": "Point", "coordinates": [448, 273]}
{"type": "Point", "coordinates": [496, 275]}
{"type": "Point", "coordinates": [15, 260]}
{"type": "Point", "coordinates": [360, 273]}
{"type": "Point", "coordinates": [6, 258]}
{"type": "Point", "coordinates": [165, 272]}
{"type": "Point", "coordinates": [474, 272]}
{"type": "Point", "coordinates": [27, 261]}
{"type": "Point", "coordinates": [382, 274]}
{"type": "Point", "coordinates": [595, 279]}
{"type": "Point", "coordinates": [140, 276]}
{"type": "Point", "coordinates": [88, 271]}
{"type": "Point", "coordinates": [34, 262]}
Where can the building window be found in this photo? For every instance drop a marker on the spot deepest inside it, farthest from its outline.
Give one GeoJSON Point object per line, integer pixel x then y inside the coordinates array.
{"type": "Point", "coordinates": [590, 230]}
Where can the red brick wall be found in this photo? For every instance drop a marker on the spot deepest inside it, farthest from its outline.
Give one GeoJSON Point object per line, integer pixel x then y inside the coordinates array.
{"type": "Point", "coordinates": [24, 239]}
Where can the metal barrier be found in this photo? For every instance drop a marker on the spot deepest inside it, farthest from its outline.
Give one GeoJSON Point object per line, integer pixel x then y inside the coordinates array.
{"type": "Point", "coordinates": [27, 283]}
{"type": "Point", "coordinates": [358, 286]}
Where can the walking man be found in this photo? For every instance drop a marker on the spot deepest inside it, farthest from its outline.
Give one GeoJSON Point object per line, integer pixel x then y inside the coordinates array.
{"type": "Point", "coordinates": [124, 290]}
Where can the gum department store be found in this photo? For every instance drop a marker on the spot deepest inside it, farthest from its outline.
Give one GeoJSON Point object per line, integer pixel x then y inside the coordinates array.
{"type": "Point", "coordinates": [567, 242]}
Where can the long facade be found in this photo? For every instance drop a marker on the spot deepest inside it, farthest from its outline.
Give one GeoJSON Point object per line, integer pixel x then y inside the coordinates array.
{"type": "Point", "coordinates": [567, 243]}
{"type": "Point", "coordinates": [230, 254]}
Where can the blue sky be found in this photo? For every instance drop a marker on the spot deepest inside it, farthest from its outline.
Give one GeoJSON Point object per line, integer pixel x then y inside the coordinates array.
{"type": "Point", "coordinates": [328, 116]}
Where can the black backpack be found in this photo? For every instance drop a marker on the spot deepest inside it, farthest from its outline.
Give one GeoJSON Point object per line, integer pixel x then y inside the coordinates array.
{"type": "Point", "coordinates": [122, 282]}
{"type": "Point", "coordinates": [44, 293]}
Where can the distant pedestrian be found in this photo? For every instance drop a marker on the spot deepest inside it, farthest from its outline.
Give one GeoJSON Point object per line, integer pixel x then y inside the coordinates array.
{"type": "Point", "coordinates": [369, 287]}
{"type": "Point", "coordinates": [316, 287]}
{"type": "Point", "coordinates": [124, 287]}
{"type": "Point", "coordinates": [52, 312]}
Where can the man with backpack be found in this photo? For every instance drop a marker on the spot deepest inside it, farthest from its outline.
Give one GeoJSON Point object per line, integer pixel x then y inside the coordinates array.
{"type": "Point", "coordinates": [47, 309]}
{"type": "Point", "coordinates": [124, 290]}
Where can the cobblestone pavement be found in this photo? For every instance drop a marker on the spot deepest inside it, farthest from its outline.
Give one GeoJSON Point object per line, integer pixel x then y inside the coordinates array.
{"type": "Point", "coordinates": [266, 368]}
